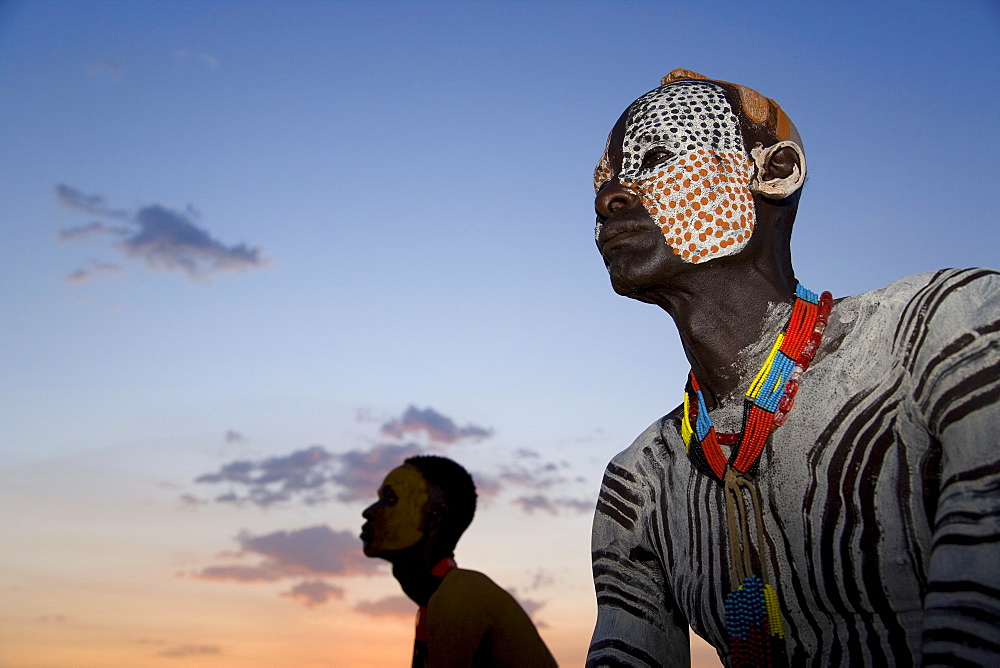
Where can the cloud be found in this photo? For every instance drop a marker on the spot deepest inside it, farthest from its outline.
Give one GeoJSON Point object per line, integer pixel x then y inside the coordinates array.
{"type": "Point", "coordinates": [208, 60]}
{"type": "Point", "coordinates": [437, 427]}
{"type": "Point", "coordinates": [52, 619]}
{"type": "Point", "coordinates": [391, 606]}
{"type": "Point", "coordinates": [190, 502]}
{"type": "Point", "coordinates": [530, 504]}
{"type": "Point", "coordinates": [233, 436]}
{"type": "Point", "coordinates": [313, 551]}
{"type": "Point", "coordinates": [311, 593]}
{"type": "Point", "coordinates": [92, 204]}
{"type": "Point", "coordinates": [107, 69]}
{"type": "Point", "coordinates": [315, 474]}
{"type": "Point", "coordinates": [301, 474]}
{"type": "Point", "coordinates": [310, 476]}
{"type": "Point", "coordinates": [539, 475]}
{"type": "Point", "coordinates": [94, 229]}
{"type": "Point", "coordinates": [168, 240]}
{"type": "Point", "coordinates": [162, 238]}
{"type": "Point", "coordinates": [362, 471]}
{"type": "Point", "coordinates": [264, 572]}
{"type": "Point", "coordinates": [542, 578]}
{"type": "Point", "coordinates": [85, 274]}
{"type": "Point", "coordinates": [487, 486]}
{"type": "Point", "coordinates": [531, 606]}
{"type": "Point", "coordinates": [187, 650]}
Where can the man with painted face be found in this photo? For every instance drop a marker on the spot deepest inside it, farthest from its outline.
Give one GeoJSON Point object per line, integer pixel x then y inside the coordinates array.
{"type": "Point", "coordinates": [828, 493]}
{"type": "Point", "coordinates": [464, 618]}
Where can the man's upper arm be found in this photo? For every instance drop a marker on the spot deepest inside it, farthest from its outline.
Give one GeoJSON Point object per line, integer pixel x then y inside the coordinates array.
{"type": "Point", "coordinates": [959, 372]}
{"type": "Point", "coordinates": [458, 617]}
{"type": "Point", "coordinates": [638, 623]}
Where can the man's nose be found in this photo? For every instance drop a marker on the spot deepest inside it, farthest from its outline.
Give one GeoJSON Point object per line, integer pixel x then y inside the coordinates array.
{"type": "Point", "coordinates": [612, 198]}
{"type": "Point", "coordinates": [367, 512]}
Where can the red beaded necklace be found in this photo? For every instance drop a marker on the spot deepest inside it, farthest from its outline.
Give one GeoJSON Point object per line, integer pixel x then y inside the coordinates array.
{"type": "Point", "coordinates": [769, 397]}
{"type": "Point", "coordinates": [753, 611]}
{"type": "Point", "coordinates": [440, 569]}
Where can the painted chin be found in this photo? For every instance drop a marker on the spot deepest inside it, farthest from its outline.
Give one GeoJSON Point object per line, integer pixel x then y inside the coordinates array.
{"type": "Point", "coordinates": [366, 540]}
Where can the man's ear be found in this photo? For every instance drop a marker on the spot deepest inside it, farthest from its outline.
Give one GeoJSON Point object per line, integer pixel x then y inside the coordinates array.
{"type": "Point", "coordinates": [436, 518]}
{"type": "Point", "coordinates": [780, 169]}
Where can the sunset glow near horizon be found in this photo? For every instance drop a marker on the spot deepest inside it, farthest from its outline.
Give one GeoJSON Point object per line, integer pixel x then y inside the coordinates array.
{"type": "Point", "coordinates": [256, 254]}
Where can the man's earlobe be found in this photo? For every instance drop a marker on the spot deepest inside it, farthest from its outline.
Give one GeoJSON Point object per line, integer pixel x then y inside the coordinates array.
{"type": "Point", "coordinates": [780, 169]}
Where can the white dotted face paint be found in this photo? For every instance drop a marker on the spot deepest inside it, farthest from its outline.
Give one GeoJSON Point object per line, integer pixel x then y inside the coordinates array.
{"type": "Point", "coordinates": [699, 194]}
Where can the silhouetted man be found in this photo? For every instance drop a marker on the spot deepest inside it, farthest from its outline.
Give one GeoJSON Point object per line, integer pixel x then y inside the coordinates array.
{"type": "Point", "coordinates": [464, 619]}
{"type": "Point", "coordinates": [828, 493]}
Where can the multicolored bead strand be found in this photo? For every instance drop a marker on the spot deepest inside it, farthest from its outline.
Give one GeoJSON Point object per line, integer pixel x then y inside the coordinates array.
{"type": "Point", "coordinates": [753, 611]}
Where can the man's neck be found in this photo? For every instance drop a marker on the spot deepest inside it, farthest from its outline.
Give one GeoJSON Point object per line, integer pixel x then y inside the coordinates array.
{"type": "Point", "coordinates": [415, 577]}
{"type": "Point", "coordinates": [721, 317]}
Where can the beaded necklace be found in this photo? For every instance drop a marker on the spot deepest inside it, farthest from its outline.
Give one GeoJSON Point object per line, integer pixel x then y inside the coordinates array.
{"type": "Point", "coordinates": [753, 613]}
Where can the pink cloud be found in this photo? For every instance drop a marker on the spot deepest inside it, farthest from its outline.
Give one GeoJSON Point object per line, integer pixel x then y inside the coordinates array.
{"type": "Point", "coordinates": [391, 606]}
{"type": "Point", "coordinates": [531, 606]}
{"type": "Point", "coordinates": [314, 551]}
{"type": "Point", "coordinates": [530, 504]}
{"type": "Point", "coordinates": [362, 471]}
{"type": "Point", "coordinates": [187, 650]}
{"type": "Point", "coordinates": [439, 428]}
{"type": "Point", "coordinates": [311, 593]}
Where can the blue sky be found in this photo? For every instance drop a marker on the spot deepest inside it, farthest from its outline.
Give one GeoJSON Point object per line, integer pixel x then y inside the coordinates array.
{"type": "Point", "coordinates": [290, 222]}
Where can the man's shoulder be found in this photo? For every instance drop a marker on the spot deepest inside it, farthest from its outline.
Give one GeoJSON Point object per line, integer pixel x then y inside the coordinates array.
{"type": "Point", "coordinates": [935, 303]}
{"type": "Point", "coordinates": [465, 591]}
{"type": "Point", "coordinates": [940, 285]}
{"type": "Point", "coordinates": [468, 583]}
{"type": "Point", "coordinates": [466, 577]}
{"type": "Point", "coordinates": [651, 446]}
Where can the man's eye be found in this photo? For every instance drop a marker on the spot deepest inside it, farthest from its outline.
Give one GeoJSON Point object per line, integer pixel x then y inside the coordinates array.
{"type": "Point", "coordinates": [655, 156]}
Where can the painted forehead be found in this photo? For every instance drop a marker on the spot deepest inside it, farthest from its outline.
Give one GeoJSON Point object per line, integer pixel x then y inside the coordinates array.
{"type": "Point", "coordinates": [681, 118]}
{"type": "Point", "coordinates": [407, 482]}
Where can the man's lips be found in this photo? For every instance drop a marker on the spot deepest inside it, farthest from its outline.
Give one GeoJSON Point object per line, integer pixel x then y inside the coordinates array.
{"type": "Point", "coordinates": [616, 234]}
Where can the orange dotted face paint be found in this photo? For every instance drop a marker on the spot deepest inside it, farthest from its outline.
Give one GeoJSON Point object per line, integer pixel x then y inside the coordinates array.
{"type": "Point", "coordinates": [684, 156]}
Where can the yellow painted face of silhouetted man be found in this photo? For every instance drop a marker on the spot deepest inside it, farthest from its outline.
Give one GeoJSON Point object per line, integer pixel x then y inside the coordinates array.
{"type": "Point", "coordinates": [396, 521]}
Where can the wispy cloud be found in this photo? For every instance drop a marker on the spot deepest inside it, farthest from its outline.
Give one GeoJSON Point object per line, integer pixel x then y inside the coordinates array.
{"type": "Point", "coordinates": [301, 474]}
{"type": "Point", "coordinates": [84, 274]}
{"type": "Point", "coordinates": [539, 475]}
{"type": "Point", "coordinates": [162, 238]}
{"type": "Point", "coordinates": [363, 470]}
{"type": "Point", "coordinates": [315, 474]}
{"type": "Point", "coordinates": [530, 605]}
{"type": "Point", "coordinates": [183, 56]}
{"type": "Point", "coordinates": [308, 555]}
{"type": "Point", "coordinates": [185, 651]}
{"type": "Point", "coordinates": [309, 476]}
{"type": "Point", "coordinates": [311, 593]}
{"type": "Point", "coordinates": [106, 70]}
{"type": "Point", "coordinates": [529, 504]}
{"type": "Point", "coordinates": [72, 198]}
{"type": "Point", "coordinates": [390, 606]}
{"type": "Point", "coordinates": [437, 427]}
{"type": "Point", "coordinates": [52, 619]}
